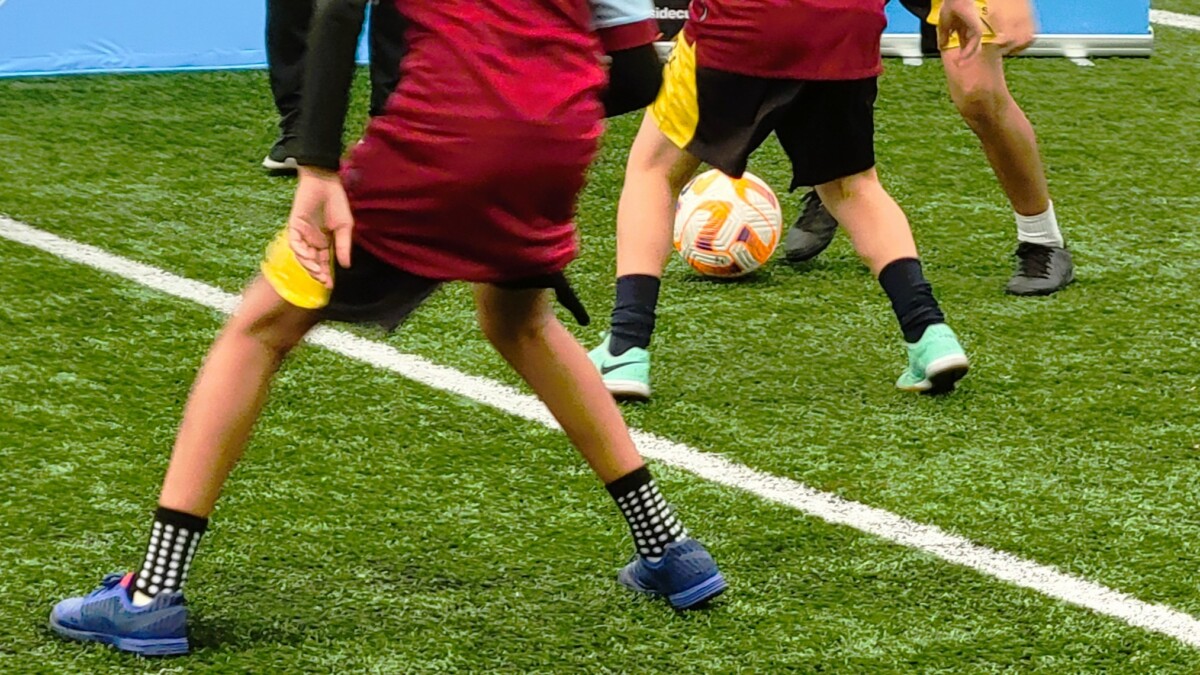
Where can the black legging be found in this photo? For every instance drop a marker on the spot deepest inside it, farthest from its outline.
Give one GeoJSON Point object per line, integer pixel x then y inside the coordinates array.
{"type": "Point", "coordinates": [288, 24]}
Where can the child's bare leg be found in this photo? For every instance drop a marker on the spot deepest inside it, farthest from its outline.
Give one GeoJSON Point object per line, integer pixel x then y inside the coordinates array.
{"type": "Point", "coordinates": [520, 324]}
{"type": "Point", "coordinates": [654, 174]}
{"type": "Point", "coordinates": [876, 224]}
{"type": "Point", "coordinates": [980, 92]}
{"type": "Point", "coordinates": [224, 404]}
{"type": "Point", "coordinates": [228, 396]}
{"type": "Point", "coordinates": [522, 327]}
{"type": "Point", "coordinates": [881, 235]}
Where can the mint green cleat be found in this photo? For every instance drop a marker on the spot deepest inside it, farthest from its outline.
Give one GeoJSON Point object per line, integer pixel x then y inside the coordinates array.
{"type": "Point", "coordinates": [626, 376]}
{"type": "Point", "coordinates": [935, 363]}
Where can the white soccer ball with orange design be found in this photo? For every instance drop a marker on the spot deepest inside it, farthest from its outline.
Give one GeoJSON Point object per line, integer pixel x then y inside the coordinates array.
{"type": "Point", "coordinates": [727, 227]}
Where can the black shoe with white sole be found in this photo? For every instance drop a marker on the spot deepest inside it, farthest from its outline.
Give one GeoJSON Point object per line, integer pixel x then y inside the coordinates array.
{"type": "Point", "coordinates": [281, 158]}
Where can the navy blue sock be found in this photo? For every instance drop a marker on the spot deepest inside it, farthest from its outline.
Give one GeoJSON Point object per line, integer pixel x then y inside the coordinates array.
{"type": "Point", "coordinates": [911, 296]}
{"type": "Point", "coordinates": [633, 313]}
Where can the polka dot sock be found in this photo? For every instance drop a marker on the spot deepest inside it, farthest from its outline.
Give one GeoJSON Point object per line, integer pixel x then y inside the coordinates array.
{"type": "Point", "coordinates": [651, 521]}
{"type": "Point", "coordinates": [172, 544]}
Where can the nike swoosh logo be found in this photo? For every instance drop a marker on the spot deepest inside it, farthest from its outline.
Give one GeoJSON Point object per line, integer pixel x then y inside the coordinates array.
{"type": "Point", "coordinates": [604, 370]}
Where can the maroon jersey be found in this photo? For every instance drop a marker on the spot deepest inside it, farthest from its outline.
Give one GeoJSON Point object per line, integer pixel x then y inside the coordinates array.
{"type": "Point", "coordinates": [473, 171]}
{"type": "Point", "coordinates": [789, 39]}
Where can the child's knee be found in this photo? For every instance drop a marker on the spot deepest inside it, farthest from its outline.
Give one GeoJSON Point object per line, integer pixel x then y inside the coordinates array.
{"type": "Point", "coordinates": [654, 158]}
{"type": "Point", "coordinates": [509, 334]}
{"type": "Point", "coordinates": [507, 329]}
{"type": "Point", "coordinates": [847, 189]}
{"type": "Point", "coordinates": [271, 321]}
{"type": "Point", "coordinates": [981, 103]}
{"type": "Point", "coordinates": [279, 332]}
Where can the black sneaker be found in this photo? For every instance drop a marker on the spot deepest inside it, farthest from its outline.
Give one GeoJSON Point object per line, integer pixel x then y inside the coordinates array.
{"type": "Point", "coordinates": [280, 159]}
{"type": "Point", "coordinates": [812, 233]}
{"type": "Point", "coordinates": [1041, 270]}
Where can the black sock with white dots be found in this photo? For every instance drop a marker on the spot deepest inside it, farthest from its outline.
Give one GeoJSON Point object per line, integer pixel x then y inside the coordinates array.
{"type": "Point", "coordinates": [651, 521]}
{"type": "Point", "coordinates": [168, 554]}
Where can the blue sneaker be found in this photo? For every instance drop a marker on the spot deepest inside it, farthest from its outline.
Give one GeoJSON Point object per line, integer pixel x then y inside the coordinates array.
{"type": "Point", "coordinates": [686, 575]}
{"type": "Point", "coordinates": [107, 615]}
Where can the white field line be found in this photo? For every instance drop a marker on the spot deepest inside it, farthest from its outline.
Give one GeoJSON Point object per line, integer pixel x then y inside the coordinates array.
{"type": "Point", "coordinates": [828, 507]}
{"type": "Point", "coordinates": [1175, 19]}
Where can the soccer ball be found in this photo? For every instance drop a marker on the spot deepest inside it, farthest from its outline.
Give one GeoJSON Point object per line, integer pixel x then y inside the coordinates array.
{"type": "Point", "coordinates": [727, 227]}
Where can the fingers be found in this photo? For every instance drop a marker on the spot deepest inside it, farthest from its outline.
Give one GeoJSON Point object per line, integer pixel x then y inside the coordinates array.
{"type": "Point", "coordinates": [340, 221]}
{"type": "Point", "coordinates": [320, 210]}
{"type": "Point", "coordinates": [342, 244]}
{"type": "Point", "coordinates": [968, 45]}
{"type": "Point", "coordinates": [970, 40]}
{"type": "Point", "coordinates": [311, 248]}
{"type": "Point", "coordinates": [961, 18]}
{"type": "Point", "coordinates": [943, 34]}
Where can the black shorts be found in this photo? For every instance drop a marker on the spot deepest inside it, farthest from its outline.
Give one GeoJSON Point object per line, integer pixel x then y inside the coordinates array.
{"type": "Point", "coordinates": [371, 291]}
{"type": "Point", "coordinates": [827, 128]}
{"type": "Point", "coordinates": [918, 8]}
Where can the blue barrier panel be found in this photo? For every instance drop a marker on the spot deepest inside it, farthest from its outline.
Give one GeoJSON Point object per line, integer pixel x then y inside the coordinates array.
{"type": "Point", "coordinates": [42, 37]}
{"type": "Point", "coordinates": [55, 37]}
{"type": "Point", "coordinates": [1074, 28]}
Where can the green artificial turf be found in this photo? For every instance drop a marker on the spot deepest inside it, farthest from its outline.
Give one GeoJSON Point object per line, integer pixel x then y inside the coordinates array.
{"type": "Point", "coordinates": [380, 526]}
{"type": "Point", "coordinates": [1182, 6]}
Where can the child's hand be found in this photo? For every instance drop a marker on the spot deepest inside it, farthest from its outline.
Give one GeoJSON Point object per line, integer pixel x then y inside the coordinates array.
{"type": "Point", "coordinates": [320, 209]}
{"type": "Point", "coordinates": [1013, 23]}
{"type": "Point", "coordinates": [961, 18]}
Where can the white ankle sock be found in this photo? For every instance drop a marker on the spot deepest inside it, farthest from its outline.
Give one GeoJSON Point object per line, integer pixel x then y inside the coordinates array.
{"type": "Point", "coordinates": [1040, 229]}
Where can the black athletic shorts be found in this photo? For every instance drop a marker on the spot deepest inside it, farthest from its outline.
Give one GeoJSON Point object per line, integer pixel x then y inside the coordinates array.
{"type": "Point", "coordinates": [827, 128]}
{"type": "Point", "coordinates": [371, 291]}
{"type": "Point", "coordinates": [918, 8]}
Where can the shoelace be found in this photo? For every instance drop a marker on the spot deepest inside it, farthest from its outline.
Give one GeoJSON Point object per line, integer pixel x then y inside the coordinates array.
{"type": "Point", "coordinates": [108, 582]}
{"type": "Point", "coordinates": [1035, 260]}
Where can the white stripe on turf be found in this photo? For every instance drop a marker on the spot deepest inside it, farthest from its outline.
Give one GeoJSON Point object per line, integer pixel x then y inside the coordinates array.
{"type": "Point", "coordinates": [828, 507]}
{"type": "Point", "coordinates": [1175, 19]}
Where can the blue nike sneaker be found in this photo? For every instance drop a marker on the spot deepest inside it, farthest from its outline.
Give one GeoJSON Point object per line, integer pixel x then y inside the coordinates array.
{"type": "Point", "coordinates": [107, 615]}
{"type": "Point", "coordinates": [686, 575]}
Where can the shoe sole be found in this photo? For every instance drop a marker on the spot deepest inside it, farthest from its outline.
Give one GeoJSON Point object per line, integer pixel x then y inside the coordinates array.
{"type": "Point", "coordinates": [628, 390]}
{"type": "Point", "coordinates": [1043, 291]}
{"type": "Point", "coordinates": [941, 375]}
{"type": "Point", "coordinates": [804, 256]}
{"type": "Point", "coordinates": [944, 373]}
{"type": "Point", "coordinates": [143, 646]}
{"type": "Point", "coordinates": [698, 594]}
{"type": "Point", "coordinates": [287, 166]}
{"type": "Point", "coordinates": [1049, 290]}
